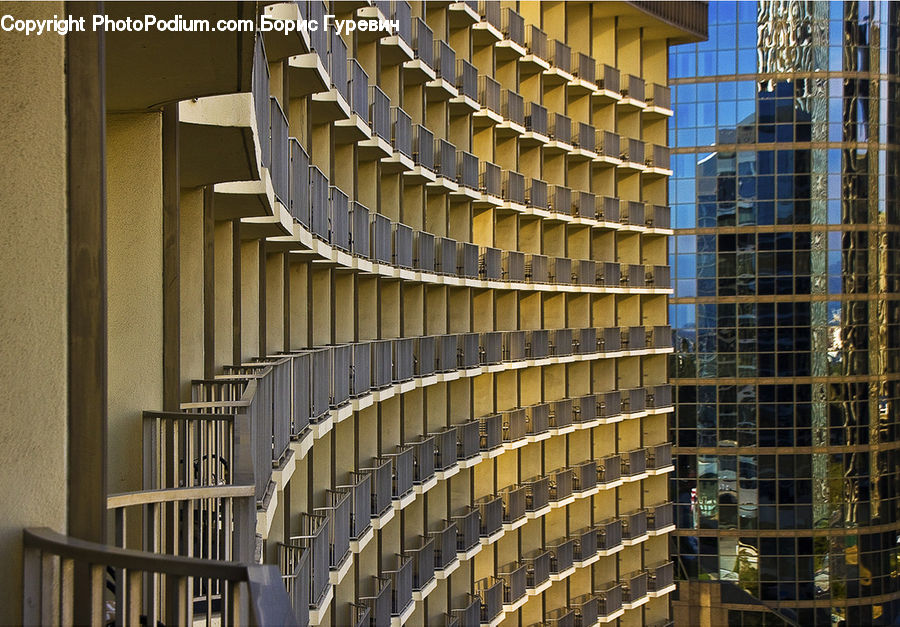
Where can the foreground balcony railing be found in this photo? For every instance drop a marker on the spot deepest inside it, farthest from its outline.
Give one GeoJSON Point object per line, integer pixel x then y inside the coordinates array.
{"type": "Point", "coordinates": [170, 588]}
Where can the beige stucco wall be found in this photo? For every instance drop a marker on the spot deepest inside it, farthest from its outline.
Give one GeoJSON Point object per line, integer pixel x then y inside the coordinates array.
{"type": "Point", "coordinates": [134, 261]}
{"type": "Point", "coordinates": [32, 293]}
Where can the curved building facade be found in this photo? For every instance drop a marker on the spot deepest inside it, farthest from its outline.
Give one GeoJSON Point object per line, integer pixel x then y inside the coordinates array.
{"type": "Point", "coordinates": [786, 312]}
{"type": "Point", "coordinates": [339, 326]}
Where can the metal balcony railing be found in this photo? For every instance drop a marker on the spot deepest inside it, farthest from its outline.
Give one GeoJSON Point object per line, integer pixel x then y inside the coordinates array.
{"type": "Point", "coordinates": [293, 562]}
{"type": "Point", "coordinates": [537, 493]}
{"type": "Point", "coordinates": [658, 276]}
{"type": "Point", "coordinates": [660, 577]}
{"type": "Point", "coordinates": [445, 61]}
{"type": "Point", "coordinates": [490, 11]}
{"type": "Point", "coordinates": [403, 471]}
{"type": "Point", "coordinates": [337, 55]}
{"type": "Point", "coordinates": [538, 343]}
{"type": "Point", "coordinates": [490, 591]}
{"type": "Point", "coordinates": [513, 107]}
{"type": "Point", "coordinates": [634, 88]}
{"type": "Point", "coordinates": [659, 96]}
{"type": "Point", "coordinates": [490, 179]}
{"type": "Point", "coordinates": [467, 79]}
{"type": "Point", "coordinates": [561, 342]}
{"type": "Point", "coordinates": [301, 384]}
{"type": "Point", "coordinates": [403, 245]}
{"type": "Point", "coordinates": [299, 183]}
{"type": "Point", "coordinates": [402, 14]}
{"type": "Point", "coordinates": [489, 93]}
{"type": "Point", "coordinates": [513, 263]}
{"type": "Point", "coordinates": [340, 219]}
{"type": "Point", "coordinates": [490, 432]}
{"type": "Point", "coordinates": [634, 400]}
{"type": "Point", "coordinates": [489, 264]}
{"type": "Point", "coordinates": [401, 584]}
{"type": "Point", "coordinates": [314, 537]}
{"type": "Point", "coordinates": [584, 476]}
{"type": "Point", "coordinates": [634, 587]}
{"type": "Point", "coordinates": [586, 273]}
{"type": "Point", "coordinates": [381, 472]}
{"type": "Point", "coordinates": [561, 413]}
{"type": "Point", "coordinates": [634, 338]}
{"type": "Point", "coordinates": [585, 544]}
{"type": "Point", "coordinates": [608, 144]}
{"type": "Point", "coordinates": [380, 113]}
{"type": "Point", "coordinates": [607, 209]}
{"type": "Point", "coordinates": [583, 66]}
{"type": "Point", "coordinates": [445, 255]}
{"type": "Point", "coordinates": [536, 194]}
{"type": "Point", "coordinates": [401, 139]}
{"type": "Point", "coordinates": [446, 353]}
{"type": "Point", "coordinates": [560, 55]}
{"type": "Point", "coordinates": [380, 239]}
{"type": "Point", "coordinates": [359, 91]}
{"type": "Point", "coordinates": [536, 270]}
{"type": "Point", "coordinates": [609, 274]}
{"type": "Point", "coordinates": [513, 498]}
{"type": "Point", "coordinates": [608, 78]}
{"type": "Point", "coordinates": [338, 511]}
{"type": "Point", "coordinates": [491, 348]}
{"type": "Point", "coordinates": [585, 409]}
{"type": "Point", "coordinates": [361, 499]}
{"type": "Point", "coordinates": [585, 136]}
{"type": "Point", "coordinates": [382, 364]}
{"type": "Point", "coordinates": [660, 396]}
{"type": "Point", "coordinates": [559, 199]}
{"type": "Point", "coordinates": [467, 168]}
{"type": "Point", "coordinates": [361, 373]}
{"type": "Point", "coordinates": [537, 42]}
{"type": "Point", "coordinates": [586, 608]}
{"type": "Point", "coordinates": [359, 230]}
{"type": "Point", "coordinates": [261, 106]}
{"type": "Point", "coordinates": [560, 617]}
{"type": "Point", "coordinates": [425, 359]}
{"type": "Point", "coordinates": [380, 604]}
{"type": "Point", "coordinates": [609, 469]}
{"type": "Point", "coordinates": [468, 350]}
{"type": "Point", "coordinates": [658, 217]}
{"type": "Point", "coordinates": [467, 259]}
{"type": "Point", "coordinates": [634, 525]}
{"type": "Point", "coordinates": [445, 448]}
{"type": "Point", "coordinates": [633, 151]}
{"type": "Point", "coordinates": [537, 419]}
{"type": "Point", "coordinates": [538, 563]}
{"type": "Point", "coordinates": [404, 359]}
{"type": "Point", "coordinates": [423, 147]}
{"type": "Point", "coordinates": [319, 205]}
{"type": "Point", "coordinates": [660, 516]}
{"type": "Point", "coordinates": [634, 462]}
{"type": "Point", "coordinates": [514, 26]}
{"type": "Point", "coordinates": [469, 440]}
{"type": "Point", "coordinates": [513, 187]}
{"type": "Point", "coordinates": [561, 484]}
{"type": "Point", "coordinates": [515, 424]}
{"type": "Point", "coordinates": [659, 456]}
{"type": "Point", "coordinates": [491, 514]}
{"type": "Point", "coordinates": [468, 529]}
{"type": "Point", "coordinates": [424, 251]}
{"type": "Point", "coordinates": [362, 615]}
{"type": "Point", "coordinates": [610, 598]}
{"type": "Point", "coordinates": [281, 155]}
{"type": "Point", "coordinates": [468, 615]}
{"type": "Point", "coordinates": [515, 578]}
{"type": "Point", "coordinates": [659, 157]}
{"type": "Point", "coordinates": [445, 545]}
{"type": "Point", "coordinates": [424, 42]}
{"type": "Point", "coordinates": [320, 367]}
{"type": "Point", "coordinates": [561, 128]}
{"type": "Point", "coordinates": [560, 270]}
{"type": "Point", "coordinates": [609, 535]}
{"type": "Point", "coordinates": [423, 564]}
{"type": "Point", "coordinates": [633, 275]}
{"type": "Point", "coordinates": [535, 118]}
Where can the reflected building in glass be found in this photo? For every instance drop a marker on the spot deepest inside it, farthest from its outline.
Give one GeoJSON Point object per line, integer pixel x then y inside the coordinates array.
{"type": "Point", "coordinates": [786, 260]}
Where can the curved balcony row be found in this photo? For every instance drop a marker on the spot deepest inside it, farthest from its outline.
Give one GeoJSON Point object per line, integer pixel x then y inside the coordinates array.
{"type": "Point", "coordinates": [299, 396]}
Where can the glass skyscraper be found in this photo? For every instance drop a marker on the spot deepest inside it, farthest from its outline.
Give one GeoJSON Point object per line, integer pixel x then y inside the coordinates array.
{"type": "Point", "coordinates": [786, 262]}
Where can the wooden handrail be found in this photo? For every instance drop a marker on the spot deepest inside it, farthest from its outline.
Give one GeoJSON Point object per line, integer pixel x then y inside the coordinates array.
{"type": "Point", "coordinates": [169, 495]}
